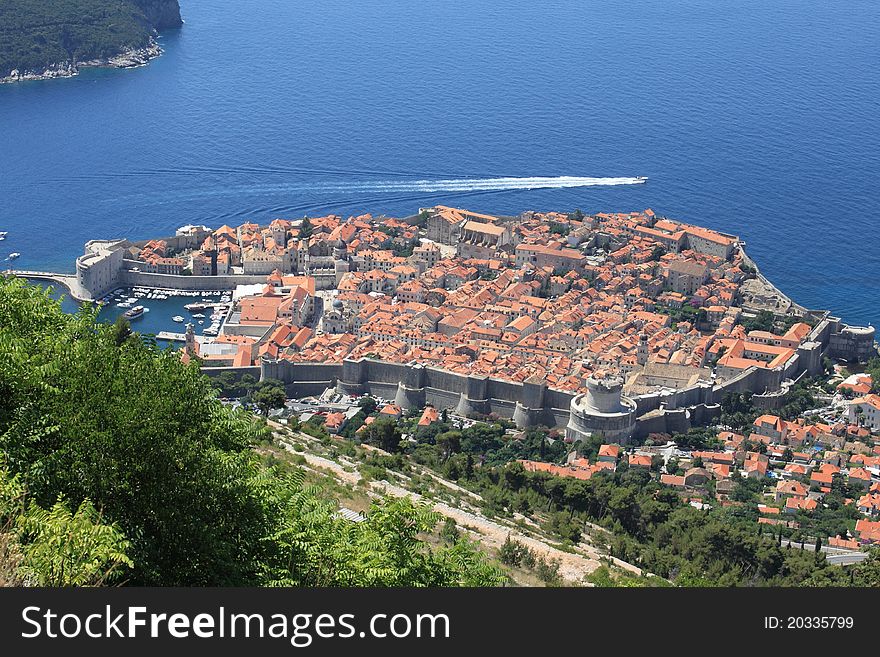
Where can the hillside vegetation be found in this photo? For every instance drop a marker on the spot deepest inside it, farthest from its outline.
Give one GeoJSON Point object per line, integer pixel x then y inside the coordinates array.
{"type": "Point", "coordinates": [118, 464]}
{"type": "Point", "coordinates": [36, 34]}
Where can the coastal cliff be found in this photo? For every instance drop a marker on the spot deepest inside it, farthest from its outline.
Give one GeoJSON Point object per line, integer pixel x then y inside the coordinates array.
{"type": "Point", "coordinates": [40, 40]}
{"type": "Point", "coordinates": [161, 14]}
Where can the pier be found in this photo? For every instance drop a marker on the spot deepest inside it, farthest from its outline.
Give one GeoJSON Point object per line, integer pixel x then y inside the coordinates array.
{"type": "Point", "coordinates": [171, 336]}
{"type": "Point", "coordinates": [67, 280]}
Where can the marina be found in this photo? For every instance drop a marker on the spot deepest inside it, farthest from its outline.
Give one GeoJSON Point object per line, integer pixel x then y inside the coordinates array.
{"type": "Point", "coordinates": [161, 307]}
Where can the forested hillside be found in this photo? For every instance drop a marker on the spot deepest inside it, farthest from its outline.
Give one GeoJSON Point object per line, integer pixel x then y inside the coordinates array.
{"type": "Point", "coordinates": [118, 464]}
{"type": "Point", "coordinates": [36, 35]}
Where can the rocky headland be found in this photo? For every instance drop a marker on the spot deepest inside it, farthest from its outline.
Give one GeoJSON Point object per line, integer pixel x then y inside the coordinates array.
{"type": "Point", "coordinates": [41, 41]}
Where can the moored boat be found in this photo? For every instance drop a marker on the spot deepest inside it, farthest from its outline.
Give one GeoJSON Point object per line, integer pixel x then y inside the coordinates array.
{"type": "Point", "coordinates": [134, 313]}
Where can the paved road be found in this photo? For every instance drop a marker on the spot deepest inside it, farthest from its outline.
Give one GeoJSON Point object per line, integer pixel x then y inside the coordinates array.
{"type": "Point", "coordinates": [846, 558]}
{"type": "Point", "coordinates": [837, 556]}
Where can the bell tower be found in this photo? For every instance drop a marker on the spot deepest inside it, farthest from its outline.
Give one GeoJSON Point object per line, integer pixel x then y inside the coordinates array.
{"type": "Point", "coordinates": [190, 340]}
{"type": "Point", "coordinates": [642, 352]}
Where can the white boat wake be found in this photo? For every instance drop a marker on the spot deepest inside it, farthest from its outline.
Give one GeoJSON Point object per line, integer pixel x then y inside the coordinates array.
{"type": "Point", "coordinates": [480, 184]}
{"type": "Point", "coordinates": [403, 186]}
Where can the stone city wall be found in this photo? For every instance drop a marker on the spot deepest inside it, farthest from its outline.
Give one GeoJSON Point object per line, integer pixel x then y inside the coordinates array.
{"type": "Point", "coordinates": [129, 278]}
{"type": "Point", "coordinates": [414, 386]}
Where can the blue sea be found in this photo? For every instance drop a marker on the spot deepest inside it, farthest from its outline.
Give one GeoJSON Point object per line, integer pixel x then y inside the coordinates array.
{"type": "Point", "coordinates": [754, 117]}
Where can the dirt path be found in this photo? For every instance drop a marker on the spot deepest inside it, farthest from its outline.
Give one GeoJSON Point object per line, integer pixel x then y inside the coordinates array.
{"type": "Point", "coordinates": [573, 566]}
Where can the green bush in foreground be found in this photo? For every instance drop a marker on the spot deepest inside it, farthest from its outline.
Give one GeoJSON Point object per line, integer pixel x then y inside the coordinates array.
{"type": "Point", "coordinates": [91, 412]}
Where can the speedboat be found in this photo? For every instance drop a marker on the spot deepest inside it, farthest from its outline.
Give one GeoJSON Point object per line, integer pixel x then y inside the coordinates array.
{"type": "Point", "coordinates": [3, 236]}
{"type": "Point", "coordinates": [13, 256]}
{"type": "Point", "coordinates": [177, 318]}
{"type": "Point", "coordinates": [641, 179]}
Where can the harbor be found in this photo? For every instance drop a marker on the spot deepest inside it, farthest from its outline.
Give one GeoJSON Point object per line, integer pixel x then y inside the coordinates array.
{"type": "Point", "coordinates": [206, 310]}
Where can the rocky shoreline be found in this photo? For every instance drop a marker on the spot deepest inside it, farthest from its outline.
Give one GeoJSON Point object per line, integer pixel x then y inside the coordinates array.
{"type": "Point", "coordinates": [129, 58]}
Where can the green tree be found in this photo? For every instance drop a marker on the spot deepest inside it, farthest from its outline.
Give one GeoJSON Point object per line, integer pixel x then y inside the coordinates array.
{"type": "Point", "coordinates": [166, 487]}
{"type": "Point", "coordinates": [449, 442]}
{"type": "Point", "coordinates": [368, 405]}
{"type": "Point", "coordinates": [305, 230]}
{"type": "Point", "coordinates": [268, 394]}
{"type": "Point", "coordinates": [137, 432]}
{"type": "Point", "coordinates": [121, 331]}
{"type": "Point", "coordinates": [383, 433]}
{"type": "Point", "coordinates": [61, 548]}
{"type": "Point", "coordinates": [56, 547]}
{"type": "Point", "coordinates": [384, 550]}
{"type": "Point", "coordinates": [246, 383]}
{"type": "Point", "coordinates": [450, 532]}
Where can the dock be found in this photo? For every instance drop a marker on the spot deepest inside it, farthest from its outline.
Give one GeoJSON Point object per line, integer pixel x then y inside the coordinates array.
{"type": "Point", "coordinates": [67, 280]}
{"type": "Point", "coordinates": [170, 336]}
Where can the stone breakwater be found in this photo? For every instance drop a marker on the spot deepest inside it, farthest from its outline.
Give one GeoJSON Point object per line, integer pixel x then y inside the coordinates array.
{"type": "Point", "coordinates": [128, 58]}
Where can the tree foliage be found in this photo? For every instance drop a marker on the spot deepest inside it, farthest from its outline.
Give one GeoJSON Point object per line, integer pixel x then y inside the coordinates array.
{"type": "Point", "coordinates": [384, 434]}
{"type": "Point", "coordinates": [163, 477]}
{"type": "Point", "coordinates": [652, 527]}
{"type": "Point", "coordinates": [268, 394]}
{"type": "Point", "coordinates": [35, 34]}
{"type": "Point", "coordinates": [319, 549]}
{"type": "Point", "coordinates": [54, 547]}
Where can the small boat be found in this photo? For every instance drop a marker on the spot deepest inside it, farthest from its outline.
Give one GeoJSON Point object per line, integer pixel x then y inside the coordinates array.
{"type": "Point", "coordinates": [177, 318]}
{"type": "Point", "coordinates": [134, 313]}
{"type": "Point", "coordinates": [13, 256]}
{"type": "Point", "coordinates": [123, 304]}
{"type": "Point", "coordinates": [198, 315]}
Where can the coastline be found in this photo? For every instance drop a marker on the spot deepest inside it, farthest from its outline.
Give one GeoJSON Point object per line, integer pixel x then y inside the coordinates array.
{"type": "Point", "coordinates": [128, 58]}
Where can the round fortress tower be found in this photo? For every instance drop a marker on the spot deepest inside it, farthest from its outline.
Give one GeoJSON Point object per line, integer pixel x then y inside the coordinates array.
{"type": "Point", "coordinates": [602, 411]}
